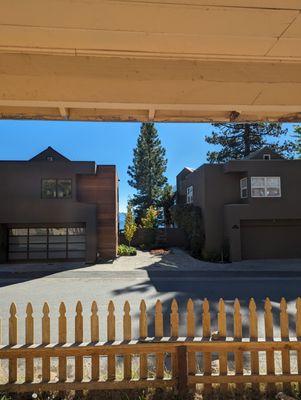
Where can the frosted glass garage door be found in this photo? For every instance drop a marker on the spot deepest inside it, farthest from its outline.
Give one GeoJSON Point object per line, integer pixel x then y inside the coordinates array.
{"type": "Point", "coordinates": [47, 243]}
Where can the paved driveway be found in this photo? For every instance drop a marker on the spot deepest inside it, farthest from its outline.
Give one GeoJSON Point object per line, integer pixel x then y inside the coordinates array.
{"type": "Point", "coordinates": [175, 275]}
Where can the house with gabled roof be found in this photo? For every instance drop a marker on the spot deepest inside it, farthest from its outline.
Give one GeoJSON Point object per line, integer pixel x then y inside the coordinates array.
{"type": "Point", "coordinates": [251, 205]}
{"type": "Point", "coordinates": [52, 208]}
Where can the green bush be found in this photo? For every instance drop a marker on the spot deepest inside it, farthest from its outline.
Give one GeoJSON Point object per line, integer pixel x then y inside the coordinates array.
{"type": "Point", "coordinates": [189, 218]}
{"type": "Point", "coordinates": [124, 250]}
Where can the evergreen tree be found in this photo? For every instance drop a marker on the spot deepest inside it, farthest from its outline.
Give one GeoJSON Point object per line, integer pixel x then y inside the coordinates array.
{"type": "Point", "coordinates": [298, 141]}
{"type": "Point", "coordinates": [147, 171]}
{"type": "Point", "coordinates": [166, 202]}
{"type": "Point", "coordinates": [239, 140]}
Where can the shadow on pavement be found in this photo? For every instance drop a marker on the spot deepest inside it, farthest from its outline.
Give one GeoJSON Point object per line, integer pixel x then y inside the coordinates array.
{"type": "Point", "coordinates": [214, 285]}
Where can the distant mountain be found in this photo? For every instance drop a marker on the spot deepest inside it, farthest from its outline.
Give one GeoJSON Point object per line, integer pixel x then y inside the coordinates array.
{"type": "Point", "coordinates": [122, 216]}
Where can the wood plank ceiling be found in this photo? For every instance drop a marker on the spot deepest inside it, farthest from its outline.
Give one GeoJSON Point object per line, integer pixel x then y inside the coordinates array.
{"type": "Point", "coordinates": [171, 60]}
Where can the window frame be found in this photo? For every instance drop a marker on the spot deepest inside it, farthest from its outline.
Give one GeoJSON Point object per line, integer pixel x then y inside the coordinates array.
{"type": "Point", "coordinates": [265, 187]}
{"type": "Point", "coordinates": [189, 194]}
{"type": "Point", "coordinates": [267, 157]}
{"type": "Point", "coordinates": [56, 188]}
{"type": "Point", "coordinates": [42, 194]}
{"type": "Point", "coordinates": [244, 188]}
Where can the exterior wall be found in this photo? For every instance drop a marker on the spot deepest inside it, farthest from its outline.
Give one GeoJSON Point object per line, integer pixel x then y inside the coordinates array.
{"type": "Point", "coordinates": [217, 192]}
{"type": "Point", "coordinates": [21, 202]}
{"type": "Point", "coordinates": [101, 189]}
{"type": "Point", "coordinates": [285, 207]}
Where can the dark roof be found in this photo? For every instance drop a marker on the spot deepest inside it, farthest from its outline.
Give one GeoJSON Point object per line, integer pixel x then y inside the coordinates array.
{"type": "Point", "coordinates": [49, 154]}
{"type": "Point", "coordinates": [258, 154]}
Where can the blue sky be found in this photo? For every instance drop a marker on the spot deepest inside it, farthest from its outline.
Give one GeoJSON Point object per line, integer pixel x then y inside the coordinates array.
{"type": "Point", "coordinates": [105, 143]}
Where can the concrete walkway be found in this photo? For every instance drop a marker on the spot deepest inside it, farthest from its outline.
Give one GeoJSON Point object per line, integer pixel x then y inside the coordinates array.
{"type": "Point", "coordinates": [176, 261]}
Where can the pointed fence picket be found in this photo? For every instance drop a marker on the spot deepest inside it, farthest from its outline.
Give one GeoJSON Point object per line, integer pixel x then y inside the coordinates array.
{"type": "Point", "coordinates": [195, 360]}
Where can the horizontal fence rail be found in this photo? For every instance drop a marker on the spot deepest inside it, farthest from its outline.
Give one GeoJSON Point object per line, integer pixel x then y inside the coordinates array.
{"type": "Point", "coordinates": [160, 361]}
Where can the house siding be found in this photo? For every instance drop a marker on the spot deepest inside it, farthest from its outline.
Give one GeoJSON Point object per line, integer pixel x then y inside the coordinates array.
{"type": "Point", "coordinates": [217, 192]}
{"type": "Point", "coordinates": [93, 204]}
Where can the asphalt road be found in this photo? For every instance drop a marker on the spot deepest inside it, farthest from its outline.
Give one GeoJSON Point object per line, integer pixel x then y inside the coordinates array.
{"type": "Point", "coordinates": [71, 286]}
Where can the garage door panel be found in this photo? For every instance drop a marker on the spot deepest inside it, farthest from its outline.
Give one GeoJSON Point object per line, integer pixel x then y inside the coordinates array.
{"type": "Point", "coordinates": [47, 243]}
{"type": "Point", "coordinates": [271, 239]}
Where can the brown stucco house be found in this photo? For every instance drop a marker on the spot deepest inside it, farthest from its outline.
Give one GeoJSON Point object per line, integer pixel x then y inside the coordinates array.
{"type": "Point", "coordinates": [253, 205]}
{"type": "Point", "coordinates": [52, 208]}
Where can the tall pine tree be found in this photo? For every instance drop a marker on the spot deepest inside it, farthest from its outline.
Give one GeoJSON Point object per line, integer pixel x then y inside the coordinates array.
{"type": "Point", "coordinates": [147, 171]}
{"type": "Point", "coordinates": [239, 140]}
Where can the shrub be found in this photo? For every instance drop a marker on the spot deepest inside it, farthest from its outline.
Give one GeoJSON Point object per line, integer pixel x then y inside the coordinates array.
{"type": "Point", "coordinates": [124, 250]}
{"type": "Point", "coordinates": [189, 218]}
{"type": "Point", "coordinates": [150, 219]}
{"type": "Point", "coordinates": [130, 226]}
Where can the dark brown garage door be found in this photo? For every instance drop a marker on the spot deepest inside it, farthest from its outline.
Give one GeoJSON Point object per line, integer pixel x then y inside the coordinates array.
{"type": "Point", "coordinates": [46, 243]}
{"type": "Point", "coordinates": [262, 239]}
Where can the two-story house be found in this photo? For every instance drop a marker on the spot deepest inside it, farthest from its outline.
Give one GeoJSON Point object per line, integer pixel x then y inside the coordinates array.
{"type": "Point", "coordinates": [253, 204]}
{"type": "Point", "coordinates": [52, 208]}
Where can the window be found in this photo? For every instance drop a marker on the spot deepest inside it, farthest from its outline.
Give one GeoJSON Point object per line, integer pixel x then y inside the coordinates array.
{"type": "Point", "coordinates": [48, 188]}
{"type": "Point", "coordinates": [189, 195]}
{"type": "Point", "coordinates": [269, 186]}
{"type": "Point", "coordinates": [244, 188]}
{"type": "Point", "coordinates": [267, 156]}
{"type": "Point", "coordinates": [56, 188]}
{"type": "Point", "coordinates": [64, 188]}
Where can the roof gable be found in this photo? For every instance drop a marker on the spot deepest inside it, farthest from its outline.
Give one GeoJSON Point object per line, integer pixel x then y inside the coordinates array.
{"type": "Point", "coordinates": [266, 150]}
{"type": "Point", "coordinates": [49, 154]}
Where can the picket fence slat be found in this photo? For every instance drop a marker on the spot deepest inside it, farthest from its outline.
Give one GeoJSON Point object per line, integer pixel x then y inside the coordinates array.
{"type": "Point", "coordinates": [222, 358]}
{"type": "Point", "coordinates": [143, 332]}
{"type": "Point", "coordinates": [62, 339]}
{"type": "Point", "coordinates": [29, 340]}
{"type": "Point", "coordinates": [94, 320]}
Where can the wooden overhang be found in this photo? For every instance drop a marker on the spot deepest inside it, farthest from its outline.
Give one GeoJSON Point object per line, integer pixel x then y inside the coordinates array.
{"type": "Point", "coordinates": [171, 60]}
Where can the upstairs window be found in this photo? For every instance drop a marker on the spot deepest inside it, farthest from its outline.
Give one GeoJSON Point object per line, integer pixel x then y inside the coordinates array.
{"type": "Point", "coordinates": [56, 188]}
{"type": "Point", "coordinates": [189, 195]}
{"type": "Point", "coordinates": [64, 188]}
{"type": "Point", "coordinates": [48, 188]}
{"type": "Point", "coordinates": [244, 188]}
{"type": "Point", "coordinates": [267, 186]}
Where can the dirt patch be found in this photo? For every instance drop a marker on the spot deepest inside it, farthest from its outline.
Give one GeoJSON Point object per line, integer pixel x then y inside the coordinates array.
{"type": "Point", "coordinates": [159, 252]}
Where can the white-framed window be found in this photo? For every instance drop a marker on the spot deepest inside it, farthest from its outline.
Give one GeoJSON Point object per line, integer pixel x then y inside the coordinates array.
{"type": "Point", "coordinates": [267, 156]}
{"type": "Point", "coordinates": [244, 188]}
{"type": "Point", "coordinates": [189, 195]}
{"type": "Point", "coordinates": [265, 186]}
